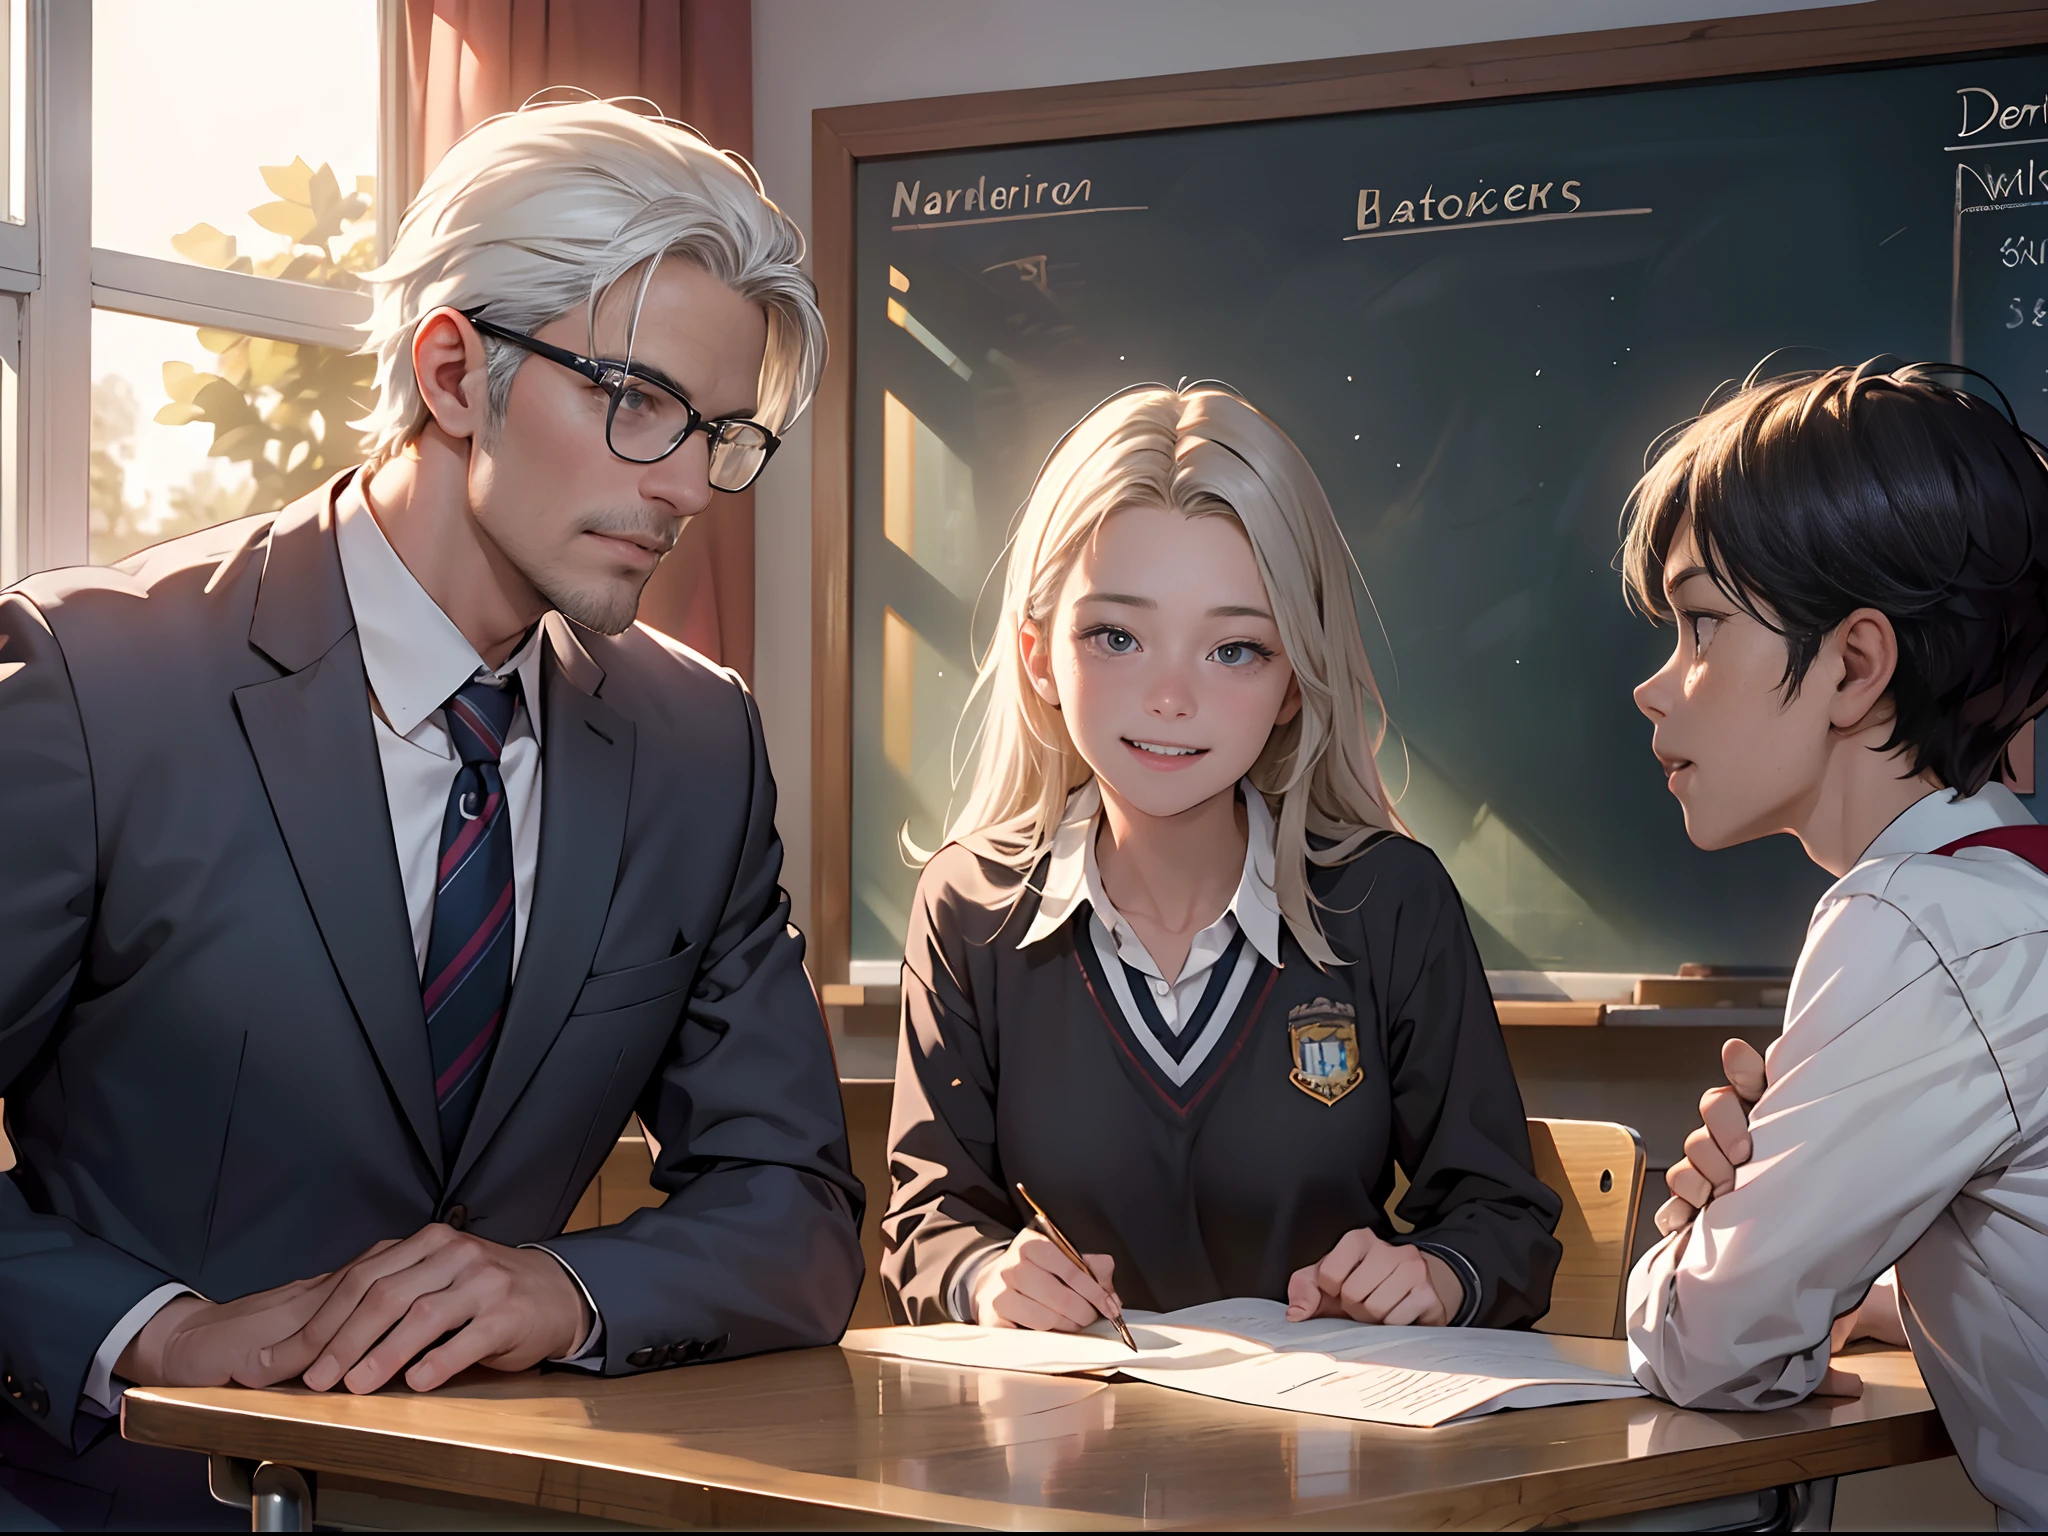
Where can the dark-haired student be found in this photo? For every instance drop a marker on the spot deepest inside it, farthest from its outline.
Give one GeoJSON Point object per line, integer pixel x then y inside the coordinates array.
{"type": "Point", "coordinates": [1177, 973]}
{"type": "Point", "coordinates": [1857, 565]}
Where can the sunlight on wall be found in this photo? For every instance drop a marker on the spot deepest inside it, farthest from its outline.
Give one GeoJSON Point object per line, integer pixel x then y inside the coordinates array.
{"type": "Point", "coordinates": [921, 703]}
{"type": "Point", "coordinates": [930, 342]}
{"type": "Point", "coordinates": [928, 568]}
{"type": "Point", "coordinates": [928, 501]}
{"type": "Point", "coordinates": [899, 475]}
{"type": "Point", "coordinates": [899, 689]}
{"type": "Point", "coordinates": [1506, 884]}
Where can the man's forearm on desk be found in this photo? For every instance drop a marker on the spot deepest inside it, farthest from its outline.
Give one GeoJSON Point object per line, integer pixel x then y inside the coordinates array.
{"type": "Point", "coordinates": [738, 1262]}
{"type": "Point", "coordinates": [588, 1354]}
{"type": "Point", "coordinates": [62, 1293]}
{"type": "Point", "coordinates": [100, 1389]}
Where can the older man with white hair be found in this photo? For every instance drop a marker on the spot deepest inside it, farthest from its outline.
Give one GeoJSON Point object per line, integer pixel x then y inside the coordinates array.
{"type": "Point", "coordinates": [363, 867]}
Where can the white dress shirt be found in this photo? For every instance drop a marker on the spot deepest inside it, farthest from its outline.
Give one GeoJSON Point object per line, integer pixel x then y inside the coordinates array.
{"type": "Point", "coordinates": [1905, 1122]}
{"type": "Point", "coordinates": [1072, 876]}
{"type": "Point", "coordinates": [414, 659]}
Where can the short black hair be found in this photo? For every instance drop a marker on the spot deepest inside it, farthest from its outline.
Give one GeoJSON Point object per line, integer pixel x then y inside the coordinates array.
{"type": "Point", "coordinates": [1812, 495]}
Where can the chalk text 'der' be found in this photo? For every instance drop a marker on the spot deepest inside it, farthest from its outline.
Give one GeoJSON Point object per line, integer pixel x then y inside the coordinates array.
{"type": "Point", "coordinates": [1983, 111]}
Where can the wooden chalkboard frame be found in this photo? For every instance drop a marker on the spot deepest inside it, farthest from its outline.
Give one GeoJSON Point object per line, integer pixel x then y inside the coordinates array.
{"type": "Point", "coordinates": [1879, 32]}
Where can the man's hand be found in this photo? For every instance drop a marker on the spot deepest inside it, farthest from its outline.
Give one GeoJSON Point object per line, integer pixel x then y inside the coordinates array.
{"type": "Point", "coordinates": [1031, 1284]}
{"type": "Point", "coordinates": [463, 1300]}
{"type": "Point", "coordinates": [196, 1343]}
{"type": "Point", "coordinates": [1370, 1280]}
{"type": "Point", "coordinates": [1721, 1144]}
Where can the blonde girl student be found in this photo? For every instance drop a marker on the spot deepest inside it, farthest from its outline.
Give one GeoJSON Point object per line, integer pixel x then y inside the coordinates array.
{"type": "Point", "coordinates": [1176, 970]}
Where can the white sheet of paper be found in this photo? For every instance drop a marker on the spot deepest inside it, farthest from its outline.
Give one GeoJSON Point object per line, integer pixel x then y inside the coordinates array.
{"type": "Point", "coordinates": [1245, 1351]}
{"type": "Point", "coordinates": [1503, 1352]}
{"type": "Point", "coordinates": [1378, 1394]}
{"type": "Point", "coordinates": [1053, 1354]}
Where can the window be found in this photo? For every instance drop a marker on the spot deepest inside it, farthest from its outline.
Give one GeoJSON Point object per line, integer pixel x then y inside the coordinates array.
{"type": "Point", "coordinates": [197, 196]}
{"type": "Point", "coordinates": [196, 425]}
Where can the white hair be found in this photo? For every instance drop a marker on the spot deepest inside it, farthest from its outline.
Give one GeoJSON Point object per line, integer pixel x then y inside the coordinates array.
{"type": "Point", "coordinates": [1200, 451]}
{"type": "Point", "coordinates": [535, 212]}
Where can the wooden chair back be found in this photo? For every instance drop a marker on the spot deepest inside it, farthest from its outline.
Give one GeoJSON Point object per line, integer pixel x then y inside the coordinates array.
{"type": "Point", "coordinates": [868, 1101]}
{"type": "Point", "coordinates": [1596, 1167]}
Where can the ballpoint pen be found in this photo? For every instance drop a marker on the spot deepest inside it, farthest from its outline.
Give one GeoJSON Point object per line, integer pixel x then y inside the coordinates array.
{"type": "Point", "coordinates": [1060, 1242]}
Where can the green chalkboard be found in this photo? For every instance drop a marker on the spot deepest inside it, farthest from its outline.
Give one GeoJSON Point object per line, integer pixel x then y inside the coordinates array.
{"type": "Point", "coordinates": [1473, 319]}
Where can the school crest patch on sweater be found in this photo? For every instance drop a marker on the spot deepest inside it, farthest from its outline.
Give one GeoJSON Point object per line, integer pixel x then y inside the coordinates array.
{"type": "Point", "coordinates": [1324, 1038]}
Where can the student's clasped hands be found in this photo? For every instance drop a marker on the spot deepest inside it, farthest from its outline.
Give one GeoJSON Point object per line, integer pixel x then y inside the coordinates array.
{"type": "Point", "coordinates": [1707, 1171]}
{"type": "Point", "coordinates": [1721, 1144]}
{"type": "Point", "coordinates": [461, 1299]}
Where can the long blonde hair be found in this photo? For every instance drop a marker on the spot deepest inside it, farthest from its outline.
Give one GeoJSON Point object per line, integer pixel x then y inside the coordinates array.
{"type": "Point", "coordinates": [1201, 451]}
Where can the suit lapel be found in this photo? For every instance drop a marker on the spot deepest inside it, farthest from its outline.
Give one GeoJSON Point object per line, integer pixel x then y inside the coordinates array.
{"type": "Point", "coordinates": [310, 733]}
{"type": "Point", "coordinates": [586, 777]}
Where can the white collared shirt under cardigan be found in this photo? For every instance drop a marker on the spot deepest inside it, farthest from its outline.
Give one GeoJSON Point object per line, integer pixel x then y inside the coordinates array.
{"type": "Point", "coordinates": [1905, 1122]}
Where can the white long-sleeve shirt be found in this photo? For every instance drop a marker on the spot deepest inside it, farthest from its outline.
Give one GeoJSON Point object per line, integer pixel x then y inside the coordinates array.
{"type": "Point", "coordinates": [414, 659]}
{"type": "Point", "coordinates": [1905, 1122]}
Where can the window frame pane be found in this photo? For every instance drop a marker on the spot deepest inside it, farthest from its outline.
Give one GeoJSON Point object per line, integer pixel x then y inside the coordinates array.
{"type": "Point", "coordinates": [50, 263]}
{"type": "Point", "coordinates": [132, 181]}
{"type": "Point", "coordinates": [294, 400]}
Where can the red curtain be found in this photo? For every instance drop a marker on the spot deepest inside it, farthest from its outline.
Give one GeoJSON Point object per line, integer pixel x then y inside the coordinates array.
{"type": "Point", "coordinates": [694, 59]}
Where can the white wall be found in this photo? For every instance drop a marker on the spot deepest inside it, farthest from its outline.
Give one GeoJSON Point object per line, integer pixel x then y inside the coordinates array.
{"type": "Point", "coordinates": [827, 53]}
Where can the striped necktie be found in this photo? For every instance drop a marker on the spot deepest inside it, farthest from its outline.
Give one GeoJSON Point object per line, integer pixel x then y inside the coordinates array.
{"type": "Point", "coordinates": [468, 973]}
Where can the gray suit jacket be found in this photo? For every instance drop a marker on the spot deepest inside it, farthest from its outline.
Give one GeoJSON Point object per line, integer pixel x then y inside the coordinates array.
{"type": "Point", "coordinates": [212, 1049]}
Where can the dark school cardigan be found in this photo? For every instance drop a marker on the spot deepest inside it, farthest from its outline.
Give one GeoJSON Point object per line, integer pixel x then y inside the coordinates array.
{"type": "Point", "coordinates": [1015, 1065]}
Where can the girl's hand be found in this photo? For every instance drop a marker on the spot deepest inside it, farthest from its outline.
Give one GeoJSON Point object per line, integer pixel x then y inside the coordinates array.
{"type": "Point", "coordinates": [1370, 1280]}
{"type": "Point", "coordinates": [1031, 1284]}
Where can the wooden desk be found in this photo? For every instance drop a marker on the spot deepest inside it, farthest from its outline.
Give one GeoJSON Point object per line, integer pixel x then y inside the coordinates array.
{"type": "Point", "coordinates": [823, 1438]}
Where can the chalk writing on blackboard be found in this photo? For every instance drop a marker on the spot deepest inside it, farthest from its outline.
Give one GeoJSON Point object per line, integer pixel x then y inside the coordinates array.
{"type": "Point", "coordinates": [1984, 106]}
{"type": "Point", "coordinates": [1484, 206]}
{"type": "Point", "coordinates": [1818, 213]}
{"type": "Point", "coordinates": [1988, 189]}
{"type": "Point", "coordinates": [2000, 231]}
{"type": "Point", "coordinates": [977, 202]}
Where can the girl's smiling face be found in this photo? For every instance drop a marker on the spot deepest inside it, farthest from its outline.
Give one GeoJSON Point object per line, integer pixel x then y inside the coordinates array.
{"type": "Point", "coordinates": [1163, 658]}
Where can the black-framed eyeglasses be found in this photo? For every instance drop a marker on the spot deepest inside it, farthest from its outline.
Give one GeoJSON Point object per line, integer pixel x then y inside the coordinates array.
{"type": "Point", "coordinates": [650, 418]}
